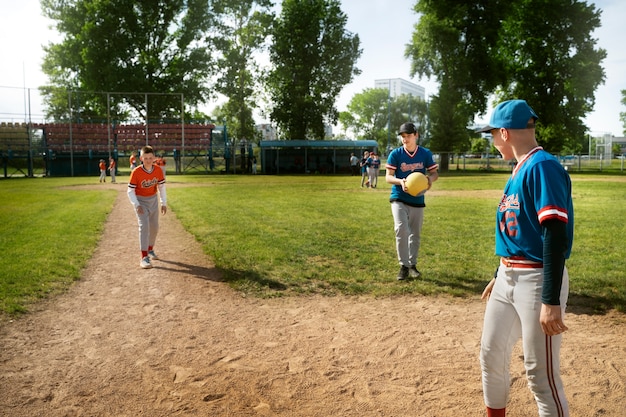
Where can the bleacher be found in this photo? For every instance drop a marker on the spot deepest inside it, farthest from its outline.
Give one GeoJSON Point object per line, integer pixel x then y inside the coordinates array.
{"type": "Point", "coordinates": [13, 137]}
{"type": "Point", "coordinates": [125, 137]}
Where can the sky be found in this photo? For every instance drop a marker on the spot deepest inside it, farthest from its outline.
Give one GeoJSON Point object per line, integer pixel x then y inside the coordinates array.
{"type": "Point", "coordinates": [384, 28]}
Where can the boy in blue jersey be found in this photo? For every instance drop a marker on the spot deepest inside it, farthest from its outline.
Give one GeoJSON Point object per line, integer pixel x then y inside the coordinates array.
{"type": "Point", "coordinates": [408, 211]}
{"type": "Point", "coordinates": [527, 297]}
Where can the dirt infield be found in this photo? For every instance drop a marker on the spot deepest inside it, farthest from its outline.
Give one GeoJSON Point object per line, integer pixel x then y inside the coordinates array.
{"type": "Point", "coordinates": [175, 341]}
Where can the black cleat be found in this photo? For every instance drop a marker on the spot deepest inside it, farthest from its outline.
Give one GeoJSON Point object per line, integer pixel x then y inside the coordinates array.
{"type": "Point", "coordinates": [403, 274]}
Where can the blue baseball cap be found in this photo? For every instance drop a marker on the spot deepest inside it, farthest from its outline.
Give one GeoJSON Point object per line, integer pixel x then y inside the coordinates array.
{"type": "Point", "coordinates": [511, 114]}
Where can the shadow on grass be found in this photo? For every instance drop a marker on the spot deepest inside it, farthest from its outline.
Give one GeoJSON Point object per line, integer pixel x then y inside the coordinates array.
{"type": "Point", "coordinates": [209, 274]}
{"type": "Point", "coordinates": [250, 279]}
{"type": "Point", "coordinates": [585, 304]}
{"type": "Point", "coordinates": [576, 304]}
{"type": "Point", "coordinates": [462, 286]}
{"type": "Point", "coordinates": [457, 286]}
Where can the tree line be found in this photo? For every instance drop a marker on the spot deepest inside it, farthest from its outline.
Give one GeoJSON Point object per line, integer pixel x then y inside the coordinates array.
{"type": "Point", "coordinates": [480, 52]}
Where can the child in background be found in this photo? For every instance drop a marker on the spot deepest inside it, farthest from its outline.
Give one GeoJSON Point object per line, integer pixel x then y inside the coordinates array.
{"type": "Point", "coordinates": [103, 171]}
{"type": "Point", "coordinates": [160, 161]}
{"type": "Point", "coordinates": [364, 166]}
{"type": "Point", "coordinates": [132, 160]}
{"type": "Point", "coordinates": [374, 170]}
{"type": "Point", "coordinates": [112, 169]}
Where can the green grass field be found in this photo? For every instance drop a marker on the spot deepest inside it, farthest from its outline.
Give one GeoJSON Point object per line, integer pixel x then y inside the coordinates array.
{"type": "Point", "coordinates": [289, 235]}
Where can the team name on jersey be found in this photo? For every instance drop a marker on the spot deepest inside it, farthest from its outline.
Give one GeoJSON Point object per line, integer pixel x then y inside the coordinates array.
{"type": "Point", "coordinates": [509, 202]}
{"type": "Point", "coordinates": [404, 167]}
{"type": "Point", "coordinates": [149, 183]}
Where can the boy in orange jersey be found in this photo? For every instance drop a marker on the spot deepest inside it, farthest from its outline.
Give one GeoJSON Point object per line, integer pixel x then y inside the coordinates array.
{"type": "Point", "coordinates": [144, 182]}
{"type": "Point", "coordinates": [160, 161]}
{"type": "Point", "coordinates": [112, 169]}
{"type": "Point", "coordinates": [132, 160]}
{"type": "Point", "coordinates": [103, 171]}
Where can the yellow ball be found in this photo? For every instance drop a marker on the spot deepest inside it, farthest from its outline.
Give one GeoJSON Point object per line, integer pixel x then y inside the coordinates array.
{"type": "Point", "coordinates": [416, 183]}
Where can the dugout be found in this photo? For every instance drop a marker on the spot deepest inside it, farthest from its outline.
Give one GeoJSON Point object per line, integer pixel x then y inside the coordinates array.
{"type": "Point", "coordinates": [311, 156]}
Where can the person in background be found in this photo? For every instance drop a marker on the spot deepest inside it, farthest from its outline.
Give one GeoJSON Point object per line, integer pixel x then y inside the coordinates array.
{"type": "Point", "coordinates": [132, 160]}
{"type": "Point", "coordinates": [374, 169]}
{"type": "Point", "coordinates": [112, 169]}
{"type": "Point", "coordinates": [160, 162]}
{"type": "Point", "coordinates": [103, 170]}
{"type": "Point", "coordinates": [354, 164]}
{"type": "Point", "coordinates": [364, 179]}
{"type": "Point", "coordinates": [408, 211]}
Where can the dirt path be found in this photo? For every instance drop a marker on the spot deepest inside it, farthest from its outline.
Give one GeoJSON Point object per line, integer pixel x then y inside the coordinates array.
{"type": "Point", "coordinates": [175, 341]}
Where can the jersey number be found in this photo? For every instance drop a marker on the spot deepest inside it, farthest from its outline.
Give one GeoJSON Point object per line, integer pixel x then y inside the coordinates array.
{"type": "Point", "coordinates": [510, 223]}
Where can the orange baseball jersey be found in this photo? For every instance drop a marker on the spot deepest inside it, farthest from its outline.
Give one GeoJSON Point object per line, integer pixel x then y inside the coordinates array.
{"type": "Point", "coordinates": [112, 165]}
{"type": "Point", "coordinates": [102, 165]}
{"type": "Point", "coordinates": [145, 183]}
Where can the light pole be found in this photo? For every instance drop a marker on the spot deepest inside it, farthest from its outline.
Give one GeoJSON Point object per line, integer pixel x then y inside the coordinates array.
{"type": "Point", "coordinates": [388, 117]}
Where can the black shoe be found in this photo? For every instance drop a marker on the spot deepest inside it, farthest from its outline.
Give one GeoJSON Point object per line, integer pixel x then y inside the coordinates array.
{"type": "Point", "coordinates": [414, 273]}
{"type": "Point", "coordinates": [403, 274]}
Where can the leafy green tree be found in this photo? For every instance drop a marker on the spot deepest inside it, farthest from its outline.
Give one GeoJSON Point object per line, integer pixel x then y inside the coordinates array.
{"type": "Point", "coordinates": [454, 42]}
{"type": "Point", "coordinates": [139, 46]}
{"type": "Point", "coordinates": [313, 58]}
{"type": "Point", "coordinates": [449, 120]}
{"type": "Point", "coordinates": [372, 114]}
{"type": "Point", "coordinates": [241, 30]}
{"type": "Point", "coordinates": [367, 114]}
{"type": "Point", "coordinates": [554, 65]}
{"type": "Point", "coordinates": [479, 145]}
{"type": "Point", "coordinates": [540, 50]}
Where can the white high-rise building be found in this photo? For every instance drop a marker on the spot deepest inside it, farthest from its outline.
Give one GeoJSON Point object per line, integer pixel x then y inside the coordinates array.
{"type": "Point", "coordinates": [398, 86]}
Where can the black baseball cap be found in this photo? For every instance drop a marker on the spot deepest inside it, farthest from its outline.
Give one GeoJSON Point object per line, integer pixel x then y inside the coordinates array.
{"type": "Point", "coordinates": [407, 128]}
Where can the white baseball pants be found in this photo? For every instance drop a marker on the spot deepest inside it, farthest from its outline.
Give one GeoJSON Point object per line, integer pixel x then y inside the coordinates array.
{"type": "Point", "coordinates": [512, 312]}
{"type": "Point", "coordinates": [148, 221]}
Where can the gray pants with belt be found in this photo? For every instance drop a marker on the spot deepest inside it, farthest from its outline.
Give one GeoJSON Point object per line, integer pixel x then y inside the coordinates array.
{"type": "Point", "coordinates": [408, 222]}
{"type": "Point", "coordinates": [148, 221]}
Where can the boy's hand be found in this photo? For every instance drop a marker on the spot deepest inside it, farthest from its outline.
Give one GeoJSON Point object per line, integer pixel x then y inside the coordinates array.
{"type": "Point", "coordinates": [163, 209]}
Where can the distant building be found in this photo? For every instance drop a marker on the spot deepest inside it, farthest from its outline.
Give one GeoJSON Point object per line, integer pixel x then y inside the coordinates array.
{"type": "Point", "coordinates": [606, 145]}
{"type": "Point", "coordinates": [268, 132]}
{"type": "Point", "coordinates": [328, 131]}
{"type": "Point", "coordinates": [398, 87]}
{"type": "Point", "coordinates": [621, 141]}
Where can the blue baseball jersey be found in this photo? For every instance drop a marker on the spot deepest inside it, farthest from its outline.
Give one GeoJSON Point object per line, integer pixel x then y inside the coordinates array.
{"type": "Point", "coordinates": [539, 189]}
{"type": "Point", "coordinates": [404, 163]}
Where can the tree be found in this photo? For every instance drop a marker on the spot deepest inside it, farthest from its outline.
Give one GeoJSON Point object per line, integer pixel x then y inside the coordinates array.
{"type": "Point", "coordinates": [454, 42]}
{"type": "Point", "coordinates": [553, 64]}
{"type": "Point", "coordinates": [373, 114]}
{"type": "Point", "coordinates": [128, 46]}
{"type": "Point", "coordinates": [241, 30]}
{"type": "Point", "coordinates": [313, 58]}
{"type": "Point", "coordinates": [449, 120]}
{"type": "Point", "coordinates": [540, 50]}
{"type": "Point", "coordinates": [367, 114]}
